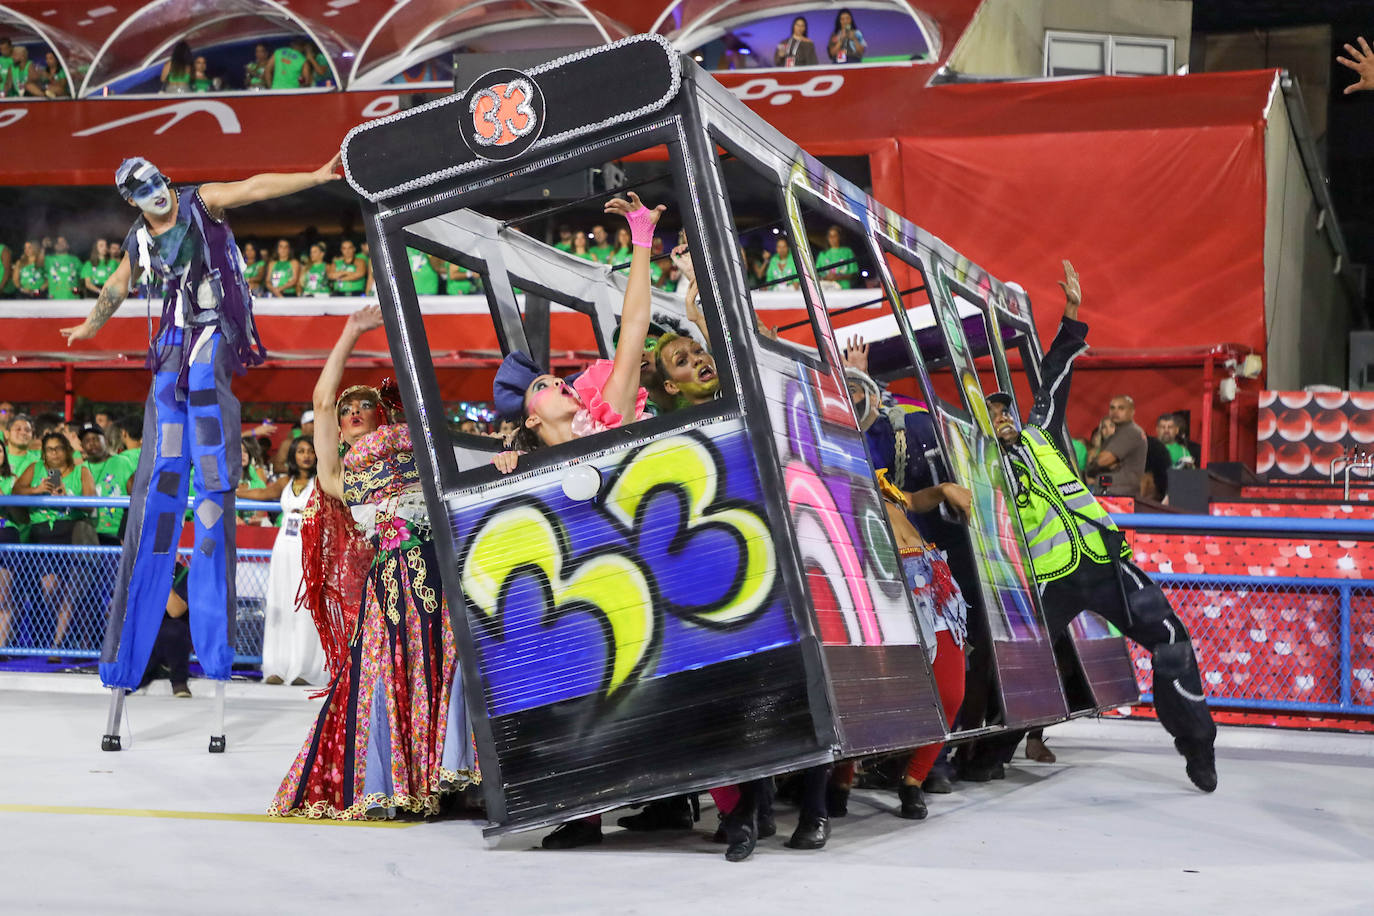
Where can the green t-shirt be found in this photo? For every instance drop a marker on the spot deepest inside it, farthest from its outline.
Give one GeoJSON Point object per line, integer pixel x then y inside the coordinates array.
{"type": "Point", "coordinates": [173, 79]}
{"type": "Point", "coordinates": [64, 276]}
{"type": "Point", "coordinates": [20, 463]}
{"type": "Point", "coordinates": [1080, 451]}
{"type": "Point", "coordinates": [280, 275]}
{"type": "Point", "coordinates": [99, 271]}
{"type": "Point", "coordinates": [287, 65]}
{"type": "Point", "coordinates": [112, 477]}
{"type": "Point", "coordinates": [349, 287]}
{"type": "Point", "coordinates": [321, 69]}
{"type": "Point", "coordinates": [7, 488]}
{"type": "Point", "coordinates": [71, 483]}
{"type": "Point", "coordinates": [1177, 452]}
{"type": "Point", "coordinates": [31, 278]}
{"type": "Point", "coordinates": [255, 272]}
{"type": "Point", "coordinates": [563, 246]}
{"type": "Point", "coordinates": [316, 283]}
{"type": "Point", "coordinates": [779, 268]}
{"type": "Point", "coordinates": [601, 253]}
{"type": "Point", "coordinates": [201, 84]}
{"type": "Point", "coordinates": [460, 287]}
{"type": "Point", "coordinates": [587, 255]}
{"type": "Point", "coordinates": [423, 273]}
{"type": "Point", "coordinates": [255, 75]}
{"type": "Point", "coordinates": [5, 63]}
{"type": "Point", "coordinates": [618, 256]}
{"type": "Point", "coordinates": [17, 76]}
{"type": "Point", "coordinates": [843, 275]}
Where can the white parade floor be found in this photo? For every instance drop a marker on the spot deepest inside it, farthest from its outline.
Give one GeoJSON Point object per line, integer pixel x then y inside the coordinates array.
{"type": "Point", "coordinates": [1114, 827]}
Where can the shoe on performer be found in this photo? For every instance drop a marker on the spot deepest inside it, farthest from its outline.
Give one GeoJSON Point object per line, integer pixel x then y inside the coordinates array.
{"type": "Point", "coordinates": [913, 803]}
{"type": "Point", "coordinates": [811, 833]}
{"type": "Point", "coordinates": [1201, 764]}
{"type": "Point", "coordinates": [181, 689]}
{"type": "Point", "coordinates": [573, 834]}
{"type": "Point", "coordinates": [1037, 751]}
{"type": "Point", "coordinates": [664, 814]}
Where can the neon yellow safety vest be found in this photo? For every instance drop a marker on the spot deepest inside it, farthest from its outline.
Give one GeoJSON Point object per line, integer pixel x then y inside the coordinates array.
{"type": "Point", "coordinates": [1048, 493]}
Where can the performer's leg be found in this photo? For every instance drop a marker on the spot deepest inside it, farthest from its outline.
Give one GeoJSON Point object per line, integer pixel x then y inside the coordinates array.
{"type": "Point", "coordinates": [948, 669]}
{"type": "Point", "coordinates": [813, 822]}
{"type": "Point", "coordinates": [157, 502]}
{"type": "Point", "coordinates": [214, 436]}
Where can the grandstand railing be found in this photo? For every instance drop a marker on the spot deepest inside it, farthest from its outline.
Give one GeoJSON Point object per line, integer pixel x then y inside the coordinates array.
{"type": "Point", "coordinates": [1282, 643]}
{"type": "Point", "coordinates": [81, 580]}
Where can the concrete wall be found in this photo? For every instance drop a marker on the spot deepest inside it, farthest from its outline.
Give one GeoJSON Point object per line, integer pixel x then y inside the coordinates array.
{"type": "Point", "coordinates": [1305, 52]}
{"type": "Point", "coordinates": [1007, 37]}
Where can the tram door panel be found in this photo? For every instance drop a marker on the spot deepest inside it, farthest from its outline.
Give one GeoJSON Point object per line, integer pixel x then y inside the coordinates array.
{"type": "Point", "coordinates": [1003, 590]}
{"type": "Point", "coordinates": [879, 678]}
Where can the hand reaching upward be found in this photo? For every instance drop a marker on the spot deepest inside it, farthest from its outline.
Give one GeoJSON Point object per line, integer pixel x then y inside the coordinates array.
{"type": "Point", "coordinates": [1361, 60]}
{"type": "Point", "coordinates": [1073, 293]}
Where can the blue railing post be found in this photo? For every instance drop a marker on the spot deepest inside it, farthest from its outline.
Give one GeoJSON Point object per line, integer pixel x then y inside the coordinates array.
{"type": "Point", "coordinates": [1346, 699]}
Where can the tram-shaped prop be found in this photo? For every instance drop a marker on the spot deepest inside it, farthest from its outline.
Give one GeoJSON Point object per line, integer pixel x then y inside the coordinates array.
{"type": "Point", "coordinates": [713, 594]}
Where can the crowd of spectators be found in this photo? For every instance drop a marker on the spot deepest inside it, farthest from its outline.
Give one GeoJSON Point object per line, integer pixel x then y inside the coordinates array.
{"type": "Point", "coordinates": [39, 77]}
{"type": "Point", "coordinates": [1120, 459]}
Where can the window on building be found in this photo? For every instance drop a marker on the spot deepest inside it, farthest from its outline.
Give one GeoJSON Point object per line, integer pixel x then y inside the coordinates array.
{"type": "Point", "coordinates": [1093, 54]}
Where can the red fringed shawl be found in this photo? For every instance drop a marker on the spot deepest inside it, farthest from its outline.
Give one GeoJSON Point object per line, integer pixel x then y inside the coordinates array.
{"type": "Point", "coordinates": [334, 563]}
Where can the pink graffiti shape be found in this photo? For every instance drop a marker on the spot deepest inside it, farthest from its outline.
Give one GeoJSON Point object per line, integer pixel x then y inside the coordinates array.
{"type": "Point", "coordinates": [805, 489]}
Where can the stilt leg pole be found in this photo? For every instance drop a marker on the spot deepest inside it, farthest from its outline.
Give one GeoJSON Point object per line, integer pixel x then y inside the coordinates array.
{"type": "Point", "coordinates": [110, 742]}
{"type": "Point", "coordinates": [217, 721]}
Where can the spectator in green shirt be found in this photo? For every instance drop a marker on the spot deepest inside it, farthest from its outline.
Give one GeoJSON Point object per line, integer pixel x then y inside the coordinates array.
{"type": "Point", "coordinates": [19, 448]}
{"type": "Point", "coordinates": [111, 476]}
{"type": "Point", "coordinates": [781, 265]}
{"type": "Point", "coordinates": [837, 252]}
{"type": "Point", "coordinates": [33, 282]}
{"type": "Point", "coordinates": [8, 287]}
{"type": "Point", "coordinates": [286, 68]}
{"type": "Point", "coordinates": [565, 238]}
{"type": "Point", "coordinates": [620, 254]}
{"type": "Point", "coordinates": [317, 67]}
{"type": "Point", "coordinates": [6, 50]}
{"type": "Point", "coordinates": [51, 79]}
{"type": "Point", "coordinates": [97, 270]}
{"type": "Point", "coordinates": [254, 271]}
{"type": "Point", "coordinates": [20, 72]}
{"type": "Point", "coordinates": [200, 76]}
{"type": "Point", "coordinates": [601, 246]}
{"type": "Point", "coordinates": [423, 273]}
{"type": "Point", "coordinates": [1166, 431]}
{"type": "Point", "coordinates": [461, 281]}
{"type": "Point", "coordinates": [9, 534]}
{"type": "Point", "coordinates": [176, 73]}
{"type": "Point", "coordinates": [580, 248]}
{"type": "Point", "coordinates": [255, 71]}
{"type": "Point", "coordinates": [63, 270]}
{"type": "Point", "coordinates": [315, 276]}
{"type": "Point", "coordinates": [283, 274]}
{"type": "Point", "coordinates": [348, 273]}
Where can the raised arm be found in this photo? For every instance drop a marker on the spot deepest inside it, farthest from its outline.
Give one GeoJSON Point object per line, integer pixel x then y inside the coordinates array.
{"type": "Point", "coordinates": [1052, 399]}
{"type": "Point", "coordinates": [112, 296]}
{"type": "Point", "coordinates": [225, 195]}
{"type": "Point", "coordinates": [683, 259]}
{"type": "Point", "coordinates": [326, 390]}
{"type": "Point", "coordinates": [623, 386]}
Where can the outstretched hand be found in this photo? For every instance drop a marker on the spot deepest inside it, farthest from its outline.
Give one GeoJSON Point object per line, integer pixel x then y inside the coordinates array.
{"type": "Point", "coordinates": [1361, 60]}
{"type": "Point", "coordinates": [366, 319]}
{"type": "Point", "coordinates": [330, 170]}
{"type": "Point", "coordinates": [856, 353]}
{"type": "Point", "coordinates": [82, 331]}
{"type": "Point", "coordinates": [682, 258]}
{"type": "Point", "coordinates": [623, 207]}
{"type": "Point", "coordinates": [1073, 293]}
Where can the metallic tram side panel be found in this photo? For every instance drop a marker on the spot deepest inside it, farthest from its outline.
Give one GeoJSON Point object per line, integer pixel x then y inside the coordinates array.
{"type": "Point", "coordinates": [727, 603]}
{"type": "Point", "coordinates": [1027, 673]}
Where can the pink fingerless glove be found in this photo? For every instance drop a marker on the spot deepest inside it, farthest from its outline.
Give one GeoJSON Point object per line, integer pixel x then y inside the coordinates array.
{"type": "Point", "coordinates": [641, 227]}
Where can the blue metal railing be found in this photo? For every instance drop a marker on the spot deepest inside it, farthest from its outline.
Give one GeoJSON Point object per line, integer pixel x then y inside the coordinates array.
{"type": "Point", "coordinates": [44, 587]}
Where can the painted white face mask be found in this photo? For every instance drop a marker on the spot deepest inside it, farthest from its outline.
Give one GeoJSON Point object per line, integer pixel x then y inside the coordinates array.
{"type": "Point", "coordinates": [154, 197]}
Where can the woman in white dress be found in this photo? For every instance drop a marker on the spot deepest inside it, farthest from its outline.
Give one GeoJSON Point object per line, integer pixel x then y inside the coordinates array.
{"type": "Point", "coordinates": [291, 650]}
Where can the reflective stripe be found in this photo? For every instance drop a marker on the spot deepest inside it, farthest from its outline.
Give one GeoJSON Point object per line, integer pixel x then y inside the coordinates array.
{"type": "Point", "coordinates": [1043, 548]}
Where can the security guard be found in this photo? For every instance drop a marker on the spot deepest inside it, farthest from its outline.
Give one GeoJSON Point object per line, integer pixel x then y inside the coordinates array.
{"type": "Point", "coordinates": [1082, 561]}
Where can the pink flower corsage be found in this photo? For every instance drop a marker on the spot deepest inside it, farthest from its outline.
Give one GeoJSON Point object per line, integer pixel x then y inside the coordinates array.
{"type": "Point", "coordinates": [392, 532]}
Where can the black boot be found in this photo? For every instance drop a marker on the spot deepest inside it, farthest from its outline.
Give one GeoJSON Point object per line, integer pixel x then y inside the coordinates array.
{"type": "Point", "coordinates": [664, 814]}
{"type": "Point", "coordinates": [1201, 764]}
{"type": "Point", "coordinates": [573, 834]}
{"type": "Point", "coordinates": [767, 825]}
{"type": "Point", "coordinates": [913, 803]}
{"type": "Point", "coordinates": [740, 826]}
{"type": "Point", "coordinates": [937, 783]}
{"type": "Point", "coordinates": [811, 833]}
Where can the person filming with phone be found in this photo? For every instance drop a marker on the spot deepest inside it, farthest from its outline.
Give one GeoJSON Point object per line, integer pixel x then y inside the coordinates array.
{"type": "Point", "coordinates": [1116, 456]}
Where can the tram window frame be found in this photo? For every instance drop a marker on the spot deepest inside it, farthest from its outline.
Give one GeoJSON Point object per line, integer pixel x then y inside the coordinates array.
{"type": "Point", "coordinates": [809, 201]}
{"type": "Point", "coordinates": [396, 236]}
{"type": "Point", "coordinates": [814, 358]}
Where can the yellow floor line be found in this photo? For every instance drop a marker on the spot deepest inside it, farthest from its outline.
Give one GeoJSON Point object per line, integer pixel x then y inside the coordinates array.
{"type": "Point", "coordinates": [192, 815]}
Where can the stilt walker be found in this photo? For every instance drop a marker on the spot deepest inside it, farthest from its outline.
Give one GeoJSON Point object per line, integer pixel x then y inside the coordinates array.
{"type": "Point", "coordinates": [182, 245]}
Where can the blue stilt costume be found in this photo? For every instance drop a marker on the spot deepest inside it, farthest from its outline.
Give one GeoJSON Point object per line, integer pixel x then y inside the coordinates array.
{"type": "Point", "coordinates": [205, 336]}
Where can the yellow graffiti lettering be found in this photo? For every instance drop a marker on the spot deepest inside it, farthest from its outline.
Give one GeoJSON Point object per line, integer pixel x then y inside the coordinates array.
{"type": "Point", "coordinates": [685, 464]}
{"type": "Point", "coordinates": [609, 585]}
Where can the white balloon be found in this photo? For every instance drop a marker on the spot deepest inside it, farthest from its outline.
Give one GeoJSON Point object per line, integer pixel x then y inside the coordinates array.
{"type": "Point", "coordinates": [581, 482]}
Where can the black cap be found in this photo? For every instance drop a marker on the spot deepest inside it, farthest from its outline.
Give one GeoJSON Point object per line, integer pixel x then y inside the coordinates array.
{"type": "Point", "coordinates": [90, 429]}
{"type": "Point", "coordinates": [1000, 397]}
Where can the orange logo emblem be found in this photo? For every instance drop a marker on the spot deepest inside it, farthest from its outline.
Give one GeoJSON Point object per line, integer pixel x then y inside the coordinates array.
{"type": "Point", "coordinates": [503, 113]}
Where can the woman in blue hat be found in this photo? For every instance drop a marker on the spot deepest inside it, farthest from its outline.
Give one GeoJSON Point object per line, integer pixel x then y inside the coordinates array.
{"type": "Point", "coordinates": [608, 393]}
